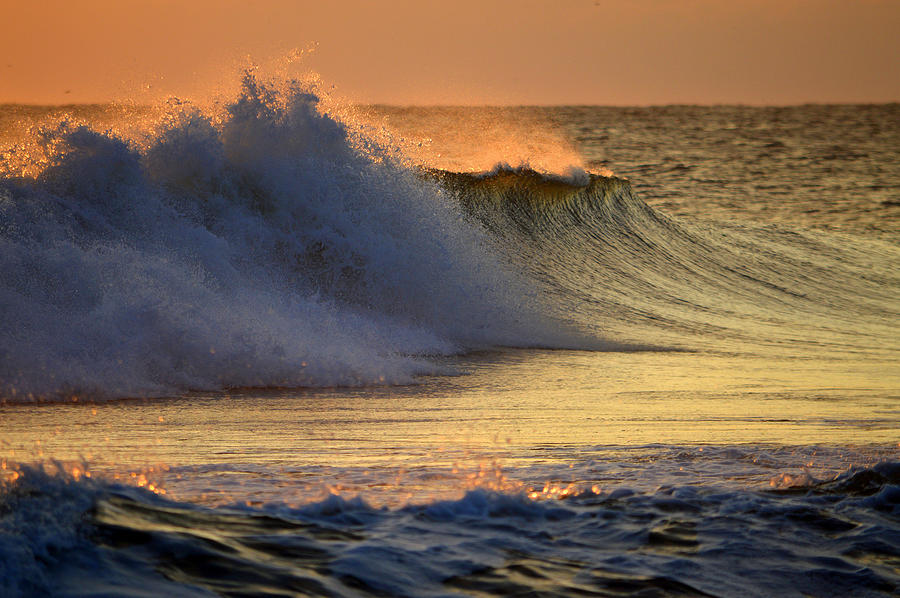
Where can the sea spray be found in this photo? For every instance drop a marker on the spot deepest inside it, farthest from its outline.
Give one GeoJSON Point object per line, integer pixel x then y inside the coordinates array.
{"type": "Point", "coordinates": [261, 250]}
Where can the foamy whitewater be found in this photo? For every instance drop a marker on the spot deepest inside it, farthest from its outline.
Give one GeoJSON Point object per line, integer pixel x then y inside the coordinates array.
{"type": "Point", "coordinates": [281, 348]}
{"type": "Point", "coordinates": [267, 251]}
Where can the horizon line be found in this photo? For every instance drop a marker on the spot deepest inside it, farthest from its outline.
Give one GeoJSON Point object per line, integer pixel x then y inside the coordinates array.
{"type": "Point", "coordinates": [496, 105]}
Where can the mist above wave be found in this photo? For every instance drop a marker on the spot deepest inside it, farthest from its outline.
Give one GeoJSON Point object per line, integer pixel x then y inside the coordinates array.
{"type": "Point", "coordinates": [271, 246]}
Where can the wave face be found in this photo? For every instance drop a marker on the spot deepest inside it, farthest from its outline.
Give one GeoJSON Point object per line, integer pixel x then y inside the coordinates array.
{"type": "Point", "coordinates": [628, 272]}
{"type": "Point", "coordinates": [264, 249]}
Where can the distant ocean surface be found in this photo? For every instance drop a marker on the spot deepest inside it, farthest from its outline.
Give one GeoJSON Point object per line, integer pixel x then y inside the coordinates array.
{"type": "Point", "coordinates": [280, 345]}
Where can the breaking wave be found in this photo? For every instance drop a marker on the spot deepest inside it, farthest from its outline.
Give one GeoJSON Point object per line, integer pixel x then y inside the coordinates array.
{"type": "Point", "coordinates": [274, 245]}
{"type": "Point", "coordinates": [261, 248]}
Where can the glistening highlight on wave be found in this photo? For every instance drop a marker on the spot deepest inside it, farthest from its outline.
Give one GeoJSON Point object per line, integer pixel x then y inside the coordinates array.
{"type": "Point", "coordinates": [674, 541]}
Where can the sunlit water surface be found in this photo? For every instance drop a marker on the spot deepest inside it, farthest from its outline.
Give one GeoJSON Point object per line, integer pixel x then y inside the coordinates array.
{"type": "Point", "coordinates": [513, 417]}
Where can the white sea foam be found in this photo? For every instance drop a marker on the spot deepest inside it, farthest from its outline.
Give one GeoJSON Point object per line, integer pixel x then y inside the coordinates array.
{"type": "Point", "coordinates": [264, 249]}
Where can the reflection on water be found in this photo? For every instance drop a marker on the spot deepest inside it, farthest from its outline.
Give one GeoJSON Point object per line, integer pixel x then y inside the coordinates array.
{"type": "Point", "coordinates": [514, 413]}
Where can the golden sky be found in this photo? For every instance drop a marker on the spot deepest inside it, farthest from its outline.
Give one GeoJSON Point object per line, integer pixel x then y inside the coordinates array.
{"type": "Point", "coordinates": [461, 52]}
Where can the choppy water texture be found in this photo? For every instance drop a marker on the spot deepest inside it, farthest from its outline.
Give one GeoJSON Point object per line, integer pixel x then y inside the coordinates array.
{"type": "Point", "coordinates": [287, 347]}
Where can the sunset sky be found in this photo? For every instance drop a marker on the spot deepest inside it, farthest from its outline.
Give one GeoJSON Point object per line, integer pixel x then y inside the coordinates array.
{"type": "Point", "coordinates": [461, 52]}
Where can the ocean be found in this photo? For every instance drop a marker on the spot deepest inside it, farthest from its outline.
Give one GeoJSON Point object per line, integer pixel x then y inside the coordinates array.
{"type": "Point", "coordinates": [279, 345]}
